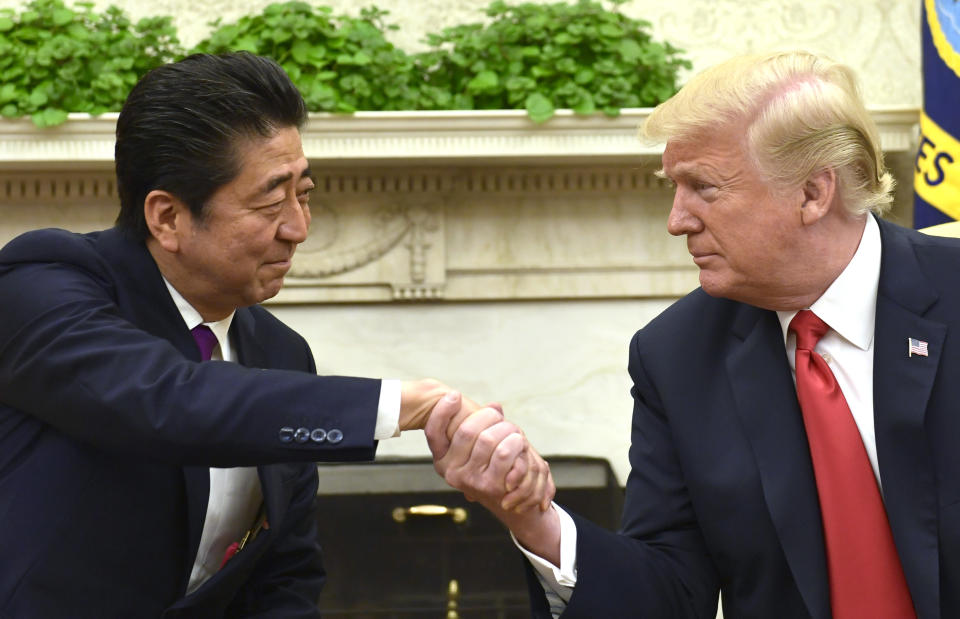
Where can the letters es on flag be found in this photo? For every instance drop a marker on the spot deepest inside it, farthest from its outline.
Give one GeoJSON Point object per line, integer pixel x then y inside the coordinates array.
{"type": "Point", "coordinates": [937, 169]}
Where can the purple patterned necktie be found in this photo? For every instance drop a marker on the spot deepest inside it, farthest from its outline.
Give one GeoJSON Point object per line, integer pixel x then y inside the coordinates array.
{"type": "Point", "coordinates": [206, 341]}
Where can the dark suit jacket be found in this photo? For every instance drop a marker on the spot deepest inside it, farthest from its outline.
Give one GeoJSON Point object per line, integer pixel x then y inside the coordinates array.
{"type": "Point", "coordinates": [108, 425]}
{"type": "Point", "coordinates": [722, 493]}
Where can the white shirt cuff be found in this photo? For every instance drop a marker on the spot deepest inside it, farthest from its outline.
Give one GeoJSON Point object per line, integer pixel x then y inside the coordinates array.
{"type": "Point", "coordinates": [388, 410]}
{"type": "Point", "coordinates": [561, 579]}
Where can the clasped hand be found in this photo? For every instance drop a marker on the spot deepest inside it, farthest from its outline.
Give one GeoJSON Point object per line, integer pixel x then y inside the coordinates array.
{"type": "Point", "coordinates": [486, 457]}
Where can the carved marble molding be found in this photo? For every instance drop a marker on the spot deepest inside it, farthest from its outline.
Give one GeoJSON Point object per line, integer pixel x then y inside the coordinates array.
{"type": "Point", "coordinates": [63, 187]}
{"type": "Point", "coordinates": [487, 233]}
{"type": "Point", "coordinates": [362, 249]}
{"type": "Point", "coordinates": [86, 142]}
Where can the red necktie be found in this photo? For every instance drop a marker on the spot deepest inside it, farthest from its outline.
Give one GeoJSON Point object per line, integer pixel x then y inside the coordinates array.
{"type": "Point", "coordinates": [866, 578]}
{"type": "Point", "coordinates": [206, 341]}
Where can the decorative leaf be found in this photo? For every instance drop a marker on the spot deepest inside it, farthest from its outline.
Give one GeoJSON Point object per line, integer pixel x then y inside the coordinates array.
{"type": "Point", "coordinates": [611, 30]}
{"type": "Point", "coordinates": [246, 44]}
{"type": "Point", "coordinates": [586, 105]}
{"type": "Point", "coordinates": [8, 92]}
{"type": "Point", "coordinates": [38, 98]}
{"type": "Point", "coordinates": [49, 117]}
{"type": "Point", "coordinates": [361, 58]}
{"type": "Point", "coordinates": [584, 75]}
{"type": "Point", "coordinates": [300, 50]}
{"type": "Point", "coordinates": [539, 108]}
{"type": "Point", "coordinates": [630, 50]}
{"type": "Point", "coordinates": [62, 16]}
{"type": "Point", "coordinates": [484, 81]}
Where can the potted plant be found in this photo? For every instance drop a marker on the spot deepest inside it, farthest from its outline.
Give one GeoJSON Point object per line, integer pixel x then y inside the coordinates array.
{"type": "Point", "coordinates": [55, 59]}
{"type": "Point", "coordinates": [541, 57]}
{"type": "Point", "coordinates": [340, 63]}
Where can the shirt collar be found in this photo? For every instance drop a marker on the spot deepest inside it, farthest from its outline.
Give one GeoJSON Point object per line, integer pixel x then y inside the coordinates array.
{"type": "Point", "coordinates": [192, 318]}
{"type": "Point", "coordinates": [849, 304]}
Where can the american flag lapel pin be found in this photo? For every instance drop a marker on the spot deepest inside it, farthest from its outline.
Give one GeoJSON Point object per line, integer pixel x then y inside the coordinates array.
{"type": "Point", "coordinates": [916, 347]}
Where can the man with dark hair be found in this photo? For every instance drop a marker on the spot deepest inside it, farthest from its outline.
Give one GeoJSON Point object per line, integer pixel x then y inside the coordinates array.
{"type": "Point", "coordinates": [157, 427]}
{"type": "Point", "coordinates": [179, 127]}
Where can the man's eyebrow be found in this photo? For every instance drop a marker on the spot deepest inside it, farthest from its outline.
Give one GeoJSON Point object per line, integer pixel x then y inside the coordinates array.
{"type": "Point", "coordinates": [280, 179]}
{"type": "Point", "coordinates": [276, 181]}
{"type": "Point", "coordinates": [689, 169]}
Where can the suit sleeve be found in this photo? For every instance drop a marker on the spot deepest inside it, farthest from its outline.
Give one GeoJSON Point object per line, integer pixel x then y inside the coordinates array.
{"type": "Point", "coordinates": [657, 565]}
{"type": "Point", "coordinates": [69, 359]}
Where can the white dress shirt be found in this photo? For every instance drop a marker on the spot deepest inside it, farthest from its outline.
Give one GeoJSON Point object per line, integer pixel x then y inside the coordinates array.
{"type": "Point", "coordinates": [235, 493]}
{"type": "Point", "coordinates": [849, 307]}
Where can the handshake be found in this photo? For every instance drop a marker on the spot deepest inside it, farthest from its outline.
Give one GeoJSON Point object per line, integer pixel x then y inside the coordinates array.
{"type": "Point", "coordinates": [478, 452]}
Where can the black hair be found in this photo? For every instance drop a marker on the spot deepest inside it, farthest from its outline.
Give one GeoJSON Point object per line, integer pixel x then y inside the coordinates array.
{"type": "Point", "coordinates": [180, 125]}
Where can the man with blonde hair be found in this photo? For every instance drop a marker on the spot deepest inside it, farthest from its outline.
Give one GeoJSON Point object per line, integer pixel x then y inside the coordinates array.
{"type": "Point", "coordinates": [796, 418]}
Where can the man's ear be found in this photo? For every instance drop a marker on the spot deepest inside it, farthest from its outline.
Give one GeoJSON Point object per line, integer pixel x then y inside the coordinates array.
{"type": "Point", "coordinates": [166, 217]}
{"type": "Point", "coordinates": [818, 196]}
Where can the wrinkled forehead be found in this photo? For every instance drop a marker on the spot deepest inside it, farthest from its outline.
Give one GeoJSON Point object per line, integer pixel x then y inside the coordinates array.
{"type": "Point", "coordinates": [724, 143]}
{"type": "Point", "coordinates": [267, 162]}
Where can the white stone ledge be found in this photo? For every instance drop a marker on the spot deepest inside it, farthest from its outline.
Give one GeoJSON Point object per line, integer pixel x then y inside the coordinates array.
{"type": "Point", "coordinates": [86, 142]}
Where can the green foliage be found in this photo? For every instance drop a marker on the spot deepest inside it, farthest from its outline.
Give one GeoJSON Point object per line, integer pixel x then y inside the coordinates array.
{"type": "Point", "coordinates": [55, 59]}
{"type": "Point", "coordinates": [547, 56]}
{"type": "Point", "coordinates": [539, 57]}
{"type": "Point", "coordinates": [339, 63]}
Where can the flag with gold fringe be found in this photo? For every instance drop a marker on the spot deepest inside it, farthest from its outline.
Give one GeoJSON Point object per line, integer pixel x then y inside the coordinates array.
{"type": "Point", "coordinates": [936, 180]}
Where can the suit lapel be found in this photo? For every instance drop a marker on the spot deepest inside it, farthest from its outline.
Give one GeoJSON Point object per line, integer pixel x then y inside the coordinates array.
{"type": "Point", "coordinates": [902, 386]}
{"type": "Point", "coordinates": [243, 332]}
{"type": "Point", "coordinates": [140, 288]}
{"type": "Point", "coordinates": [251, 354]}
{"type": "Point", "coordinates": [767, 405]}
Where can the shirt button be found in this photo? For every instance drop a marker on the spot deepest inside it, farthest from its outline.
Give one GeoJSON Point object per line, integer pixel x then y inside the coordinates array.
{"type": "Point", "coordinates": [826, 357]}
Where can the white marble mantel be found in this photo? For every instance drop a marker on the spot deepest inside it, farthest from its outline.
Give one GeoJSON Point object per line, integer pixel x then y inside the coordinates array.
{"type": "Point", "coordinates": [86, 142]}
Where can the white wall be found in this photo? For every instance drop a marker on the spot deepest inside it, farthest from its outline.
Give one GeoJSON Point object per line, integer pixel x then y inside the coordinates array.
{"type": "Point", "coordinates": [559, 368]}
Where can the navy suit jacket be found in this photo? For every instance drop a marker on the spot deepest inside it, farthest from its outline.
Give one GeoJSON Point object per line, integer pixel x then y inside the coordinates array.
{"type": "Point", "coordinates": [721, 494]}
{"type": "Point", "coordinates": [108, 424]}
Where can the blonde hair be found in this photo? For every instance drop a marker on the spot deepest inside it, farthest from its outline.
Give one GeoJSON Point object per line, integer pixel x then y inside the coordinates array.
{"type": "Point", "coordinates": [804, 114]}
